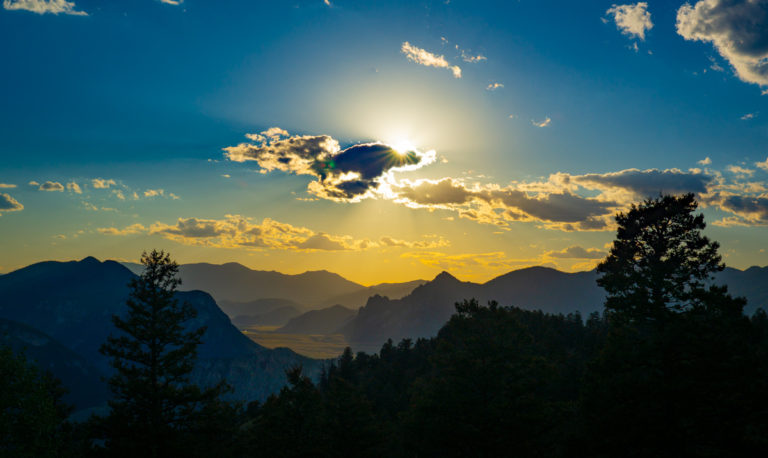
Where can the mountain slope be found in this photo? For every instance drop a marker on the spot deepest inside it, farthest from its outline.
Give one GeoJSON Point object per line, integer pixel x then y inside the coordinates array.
{"type": "Point", "coordinates": [323, 321]}
{"type": "Point", "coordinates": [358, 298]}
{"type": "Point", "coordinates": [82, 379]}
{"type": "Point", "coordinates": [73, 302]}
{"type": "Point", "coordinates": [235, 282]}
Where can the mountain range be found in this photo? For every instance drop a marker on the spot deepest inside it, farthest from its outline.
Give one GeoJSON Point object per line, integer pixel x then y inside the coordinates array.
{"type": "Point", "coordinates": [73, 302]}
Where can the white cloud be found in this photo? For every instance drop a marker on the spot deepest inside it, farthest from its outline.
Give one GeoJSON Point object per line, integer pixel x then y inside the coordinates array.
{"type": "Point", "coordinates": [544, 123]}
{"type": "Point", "coordinates": [424, 57]}
{"type": "Point", "coordinates": [100, 183]}
{"type": "Point", "coordinates": [748, 116]}
{"type": "Point", "coordinates": [705, 161]}
{"type": "Point", "coordinates": [738, 29]}
{"type": "Point", "coordinates": [7, 185]}
{"type": "Point", "coordinates": [172, 2]}
{"type": "Point", "coordinates": [739, 170]}
{"type": "Point", "coordinates": [9, 204]}
{"type": "Point", "coordinates": [494, 86]}
{"type": "Point", "coordinates": [33, 183]}
{"type": "Point", "coordinates": [153, 192]}
{"type": "Point", "coordinates": [632, 19]}
{"type": "Point", "coordinates": [44, 6]}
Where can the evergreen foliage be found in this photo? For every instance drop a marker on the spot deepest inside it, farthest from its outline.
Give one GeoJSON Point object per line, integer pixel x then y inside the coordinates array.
{"type": "Point", "coordinates": [155, 408]}
{"type": "Point", "coordinates": [32, 415]}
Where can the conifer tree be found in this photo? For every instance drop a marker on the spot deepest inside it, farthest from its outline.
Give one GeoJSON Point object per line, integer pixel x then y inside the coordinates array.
{"type": "Point", "coordinates": [154, 403]}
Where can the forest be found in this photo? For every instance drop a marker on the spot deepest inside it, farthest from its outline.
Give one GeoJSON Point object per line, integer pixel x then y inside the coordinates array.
{"type": "Point", "coordinates": [671, 367]}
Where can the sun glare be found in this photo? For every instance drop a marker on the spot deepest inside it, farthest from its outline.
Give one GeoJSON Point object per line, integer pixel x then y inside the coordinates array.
{"type": "Point", "coordinates": [402, 146]}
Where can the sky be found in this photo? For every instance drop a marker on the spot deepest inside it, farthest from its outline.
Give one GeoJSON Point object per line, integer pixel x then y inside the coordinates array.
{"type": "Point", "coordinates": [382, 140]}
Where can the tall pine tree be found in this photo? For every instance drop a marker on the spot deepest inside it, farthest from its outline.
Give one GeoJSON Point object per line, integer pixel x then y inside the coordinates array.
{"type": "Point", "coordinates": [155, 406]}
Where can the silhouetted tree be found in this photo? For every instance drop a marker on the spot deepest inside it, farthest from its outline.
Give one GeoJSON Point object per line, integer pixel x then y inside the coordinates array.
{"type": "Point", "coordinates": [678, 373]}
{"type": "Point", "coordinates": [660, 262]}
{"type": "Point", "coordinates": [32, 415]}
{"type": "Point", "coordinates": [155, 406]}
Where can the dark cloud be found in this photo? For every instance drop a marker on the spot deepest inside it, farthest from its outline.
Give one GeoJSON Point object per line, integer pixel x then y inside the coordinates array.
{"type": "Point", "coordinates": [647, 183]}
{"type": "Point", "coordinates": [9, 204]}
{"type": "Point", "coordinates": [51, 186]}
{"type": "Point", "coordinates": [344, 175]}
{"type": "Point", "coordinates": [737, 28]}
{"type": "Point", "coordinates": [749, 210]}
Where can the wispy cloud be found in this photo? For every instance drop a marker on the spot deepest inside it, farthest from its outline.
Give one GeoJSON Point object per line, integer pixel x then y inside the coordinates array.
{"type": "Point", "coordinates": [705, 161]}
{"type": "Point", "coordinates": [235, 231]}
{"type": "Point", "coordinates": [44, 6]}
{"type": "Point", "coordinates": [763, 165]}
{"type": "Point", "coordinates": [748, 116]}
{"type": "Point", "coordinates": [7, 185]}
{"type": "Point", "coordinates": [543, 123]}
{"type": "Point", "coordinates": [426, 58]}
{"type": "Point", "coordinates": [494, 86]}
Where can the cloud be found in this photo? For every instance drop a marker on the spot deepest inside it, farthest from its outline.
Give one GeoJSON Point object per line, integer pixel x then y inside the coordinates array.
{"type": "Point", "coordinates": [747, 210]}
{"type": "Point", "coordinates": [465, 261]}
{"type": "Point", "coordinates": [44, 6]}
{"type": "Point", "coordinates": [547, 121]}
{"type": "Point", "coordinates": [492, 204]}
{"type": "Point", "coordinates": [350, 175]}
{"type": "Point", "coordinates": [577, 252]}
{"type": "Point", "coordinates": [738, 29]}
{"type": "Point", "coordinates": [100, 183]}
{"type": "Point", "coordinates": [705, 161]}
{"type": "Point", "coordinates": [748, 116]}
{"type": "Point", "coordinates": [74, 187]}
{"type": "Point", "coordinates": [494, 86]}
{"type": "Point", "coordinates": [153, 192]}
{"type": "Point", "coordinates": [439, 242]}
{"type": "Point", "coordinates": [129, 230]}
{"type": "Point", "coordinates": [51, 186]}
{"type": "Point", "coordinates": [33, 183]}
{"type": "Point", "coordinates": [6, 185]}
{"type": "Point", "coordinates": [739, 170]}
{"type": "Point", "coordinates": [763, 165]}
{"type": "Point", "coordinates": [466, 57]}
{"type": "Point", "coordinates": [633, 19]}
{"type": "Point", "coordinates": [9, 204]}
{"type": "Point", "coordinates": [424, 57]}
{"type": "Point", "coordinates": [644, 183]}
{"type": "Point", "coordinates": [172, 2]}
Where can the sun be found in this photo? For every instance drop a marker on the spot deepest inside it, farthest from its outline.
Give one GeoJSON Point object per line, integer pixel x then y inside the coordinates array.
{"type": "Point", "coordinates": [402, 146]}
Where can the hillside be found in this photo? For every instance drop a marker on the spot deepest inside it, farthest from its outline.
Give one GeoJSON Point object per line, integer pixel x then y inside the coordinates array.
{"type": "Point", "coordinates": [73, 302]}
{"type": "Point", "coordinates": [325, 321]}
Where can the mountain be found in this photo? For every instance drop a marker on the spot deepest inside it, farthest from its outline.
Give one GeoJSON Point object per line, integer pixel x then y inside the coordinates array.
{"type": "Point", "coordinates": [324, 321]}
{"type": "Point", "coordinates": [419, 314]}
{"type": "Point", "coordinates": [428, 307]}
{"type": "Point", "coordinates": [73, 302]}
{"type": "Point", "coordinates": [82, 379]}
{"type": "Point", "coordinates": [358, 298]}
{"type": "Point", "coordinates": [235, 282]}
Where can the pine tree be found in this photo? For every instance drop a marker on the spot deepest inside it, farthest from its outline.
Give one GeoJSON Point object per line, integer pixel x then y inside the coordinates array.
{"type": "Point", "coordinates": [660, 263]}
{"type": "Point", "coordinates": [154, 403]}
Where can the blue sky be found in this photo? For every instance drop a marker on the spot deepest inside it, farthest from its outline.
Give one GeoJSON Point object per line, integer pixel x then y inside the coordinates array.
{"type": "Point", "coordinates": [534, 146]}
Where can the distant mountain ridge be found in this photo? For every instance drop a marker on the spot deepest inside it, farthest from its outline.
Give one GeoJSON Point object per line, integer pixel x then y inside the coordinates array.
{"type": "Point", "coordinates": [73, 302]}
{"type": "Point", "coordinates": [428, 307]}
